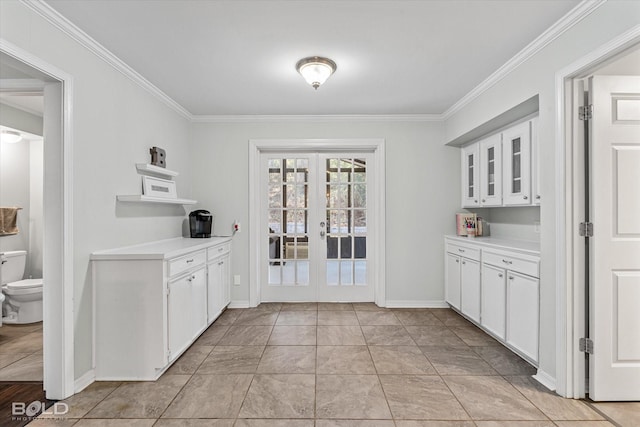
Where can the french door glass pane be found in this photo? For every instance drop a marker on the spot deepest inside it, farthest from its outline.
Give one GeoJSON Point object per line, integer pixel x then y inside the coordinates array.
{"type": "Point", "coordinates": [288, 222]}
{"type": "Point", "coordinates": [346, 214]}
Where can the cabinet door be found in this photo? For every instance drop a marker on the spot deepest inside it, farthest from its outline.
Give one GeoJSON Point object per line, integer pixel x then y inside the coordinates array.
{"type": "Point", "coordinates": [218, 287]}
{"type": "Point", "coordinates": [494, 300]}
{"type": "Point", "coordinates": [470, 175]}
{"type": "Point", "coordinates": [179, 316]}
{"type": "Point", "coordinates": [522, 314]}
{"type": "Point", "coordinates": [517, 165]}
{"type": "Point", "coordinates": [198, 304]}
{"type": "Point", "coordinates": [491, 171]}
{"type": "Point", "coordinates": [452, 279]}
{"type": "Point", "coordinates": [535, 163]}
{"type": "Point", "coordinates": [470, 288]}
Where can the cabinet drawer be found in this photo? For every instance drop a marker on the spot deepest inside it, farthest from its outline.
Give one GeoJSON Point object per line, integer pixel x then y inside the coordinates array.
{"type": "Point", "coordinates": [218, 250]}
{"type": "Point", "coordinates": [184, 263]}
{"type": "Point", "coordinates": [464, 251]}
{"type": "Point", "coordinates": [522, 265]}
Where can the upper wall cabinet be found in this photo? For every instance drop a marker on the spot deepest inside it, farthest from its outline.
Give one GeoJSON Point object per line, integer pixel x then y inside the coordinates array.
{"type": "Point", "coordinates": [471, 176]}
{"type": "Point", "coordinates": [517, 164]}
{"type": "Point", "coordinates": [502, 169]}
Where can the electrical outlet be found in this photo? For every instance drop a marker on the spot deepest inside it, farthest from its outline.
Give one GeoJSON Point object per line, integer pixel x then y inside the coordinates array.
{"type": "Point", "coordinates": [236, 280]}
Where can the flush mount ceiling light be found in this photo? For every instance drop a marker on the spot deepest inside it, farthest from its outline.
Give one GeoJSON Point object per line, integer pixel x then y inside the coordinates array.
{"type": "Point", "coordinates": [10, 136]}
{"type": "Point", "coordinates": [316, 70]}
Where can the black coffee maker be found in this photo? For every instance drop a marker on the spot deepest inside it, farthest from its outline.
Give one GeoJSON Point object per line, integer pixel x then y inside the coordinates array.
{"type": "Point", "coordinates": [200, 223]}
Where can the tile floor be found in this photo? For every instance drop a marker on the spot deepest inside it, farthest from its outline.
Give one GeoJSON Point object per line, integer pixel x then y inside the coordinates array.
{"type": "Point", "coordinates": [330, 365]}
{"type": "Point", "coordinates": [21, 352]}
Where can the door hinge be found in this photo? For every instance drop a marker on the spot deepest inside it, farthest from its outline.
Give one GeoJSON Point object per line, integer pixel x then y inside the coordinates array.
{"type": "Point", "coordinates": [585, 345]}
{"type": "Point", "coordinates": [585, 112]}
{"type": "Point", "coordinates": [585, 229]}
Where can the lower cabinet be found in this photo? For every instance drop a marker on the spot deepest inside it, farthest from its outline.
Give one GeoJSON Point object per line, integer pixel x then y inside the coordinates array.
{"type": "Point", "coordinates": [218, 283]}
{"type": "Point", "coordinates": [470, 288]}
{"type": "Point", "coordinates": [523, 313]}
{"type": "Point", "coordinates": [494, 300]}
{"type": "Point", "coordinates": [152, 302]}
{"type": "Point", "coordinates": [186, 324]}
{"type": "Point", "coordinates": [498, 290]}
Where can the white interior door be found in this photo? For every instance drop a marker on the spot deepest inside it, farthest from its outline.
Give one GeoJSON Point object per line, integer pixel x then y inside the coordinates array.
{"type": "Point", "coordinates": [614, 324]}
{"type": "Point", "coordinates": [315, 219]}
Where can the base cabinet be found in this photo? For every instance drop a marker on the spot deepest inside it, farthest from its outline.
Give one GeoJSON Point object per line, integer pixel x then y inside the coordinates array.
{"type": "Point", "coordinates": [523, 314]}
{"type": "Point", "coordinates": [152, 302]}
{"type": "Point", "coordinates": [497, 289]}
{"type": "Point", "coordinates": [494, 302]}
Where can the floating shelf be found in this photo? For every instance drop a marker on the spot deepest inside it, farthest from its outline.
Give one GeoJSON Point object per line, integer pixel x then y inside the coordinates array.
{"type": "Point", "coordinates": [139, 198]}
{"type": "Point", "coordinates": [147, 169]}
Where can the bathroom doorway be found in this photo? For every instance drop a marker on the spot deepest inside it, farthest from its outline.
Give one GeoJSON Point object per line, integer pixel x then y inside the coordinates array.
{"type": "Point", "coordinates": [21, 72]}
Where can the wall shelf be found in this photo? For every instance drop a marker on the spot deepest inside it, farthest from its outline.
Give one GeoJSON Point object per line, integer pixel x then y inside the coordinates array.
{"type": "Point", "coordinates": [147, 169]}
{"type": "Point", "coordinates": [140, 198]}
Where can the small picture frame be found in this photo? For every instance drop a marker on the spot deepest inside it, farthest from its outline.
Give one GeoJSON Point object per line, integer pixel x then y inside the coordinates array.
{"type": "Point", "coordinates": [157, 187]}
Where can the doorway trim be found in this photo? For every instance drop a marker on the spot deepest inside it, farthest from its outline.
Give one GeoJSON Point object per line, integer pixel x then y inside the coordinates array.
{"type": "Point", "coordinates": [374, 145]}
{"type": "Point", "coordinates": [570, 296]}
{"type": "Point", "coordinates": [58, 336]}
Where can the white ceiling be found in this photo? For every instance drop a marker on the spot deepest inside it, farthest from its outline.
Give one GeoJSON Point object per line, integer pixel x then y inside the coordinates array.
{"type": "Point", "coordinates": [218, 57]}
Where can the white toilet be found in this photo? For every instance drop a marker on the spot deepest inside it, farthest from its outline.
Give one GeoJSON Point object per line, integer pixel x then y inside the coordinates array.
{"type": "Point", "coordinates": [23, 298]}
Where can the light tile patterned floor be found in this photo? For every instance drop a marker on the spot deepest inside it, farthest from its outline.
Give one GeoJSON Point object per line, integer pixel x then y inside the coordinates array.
{"type": "Point", "coordinates": [329, 365]}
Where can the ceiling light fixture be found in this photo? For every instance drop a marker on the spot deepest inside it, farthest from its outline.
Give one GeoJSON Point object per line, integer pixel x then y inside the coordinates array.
{"type": "Point", "coordinates": [10, 136]}
{"type": "Point", "coordinates": [316, 70]}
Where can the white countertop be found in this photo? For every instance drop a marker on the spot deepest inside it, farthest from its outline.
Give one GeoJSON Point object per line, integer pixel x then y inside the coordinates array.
{"type": "Point", "coordinates": [160, 249]}
{"type": "Point", "coordinates": [525, 246]}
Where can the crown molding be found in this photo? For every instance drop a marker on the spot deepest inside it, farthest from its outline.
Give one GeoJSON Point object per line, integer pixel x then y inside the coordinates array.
{"type": "Point", "coordinates": [70, 29]}
{"type": "Point", "coordinates": [575, 15]}
{"type": "Point", "coordinates": [328, 118]}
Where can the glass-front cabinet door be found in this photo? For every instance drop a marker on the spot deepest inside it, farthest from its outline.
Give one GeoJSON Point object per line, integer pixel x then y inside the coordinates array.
{"type": "Point", "coordinates": [517, 164]}
{"type": "Point", "coordinates": [491, 171]}
{"type": "Point", "coordinates": [471, 175]}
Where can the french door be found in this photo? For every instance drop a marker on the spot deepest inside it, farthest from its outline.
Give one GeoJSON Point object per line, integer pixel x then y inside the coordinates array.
{"type": "Point", "coordinates": [315, 231]}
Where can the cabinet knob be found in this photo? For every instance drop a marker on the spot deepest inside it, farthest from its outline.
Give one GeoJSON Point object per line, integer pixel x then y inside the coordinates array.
{"type": "Point", "coordinates": [511, 277]}
{"type": "Point", "coordinates": [475, 201]}
{"type": "Point", "coordinates": [538, 197]}
{"type": "Point", "coordinates": [221, 262]}
{"type": "Point", "coordinates": [460, 250]}
{"type": "Point", "coordinates": [483, 200]}
{"type": "Point", "coordinates": [189, 260]}
{"type": "Point", "coordinates": [464, 263]}
{"type": "Point", "coordinates": [507, 262]}
{"type": "Point", "coordinates": [525, 197]}
{"type": "Point", "coordinates": [457, 260]}
{"type": "Point", "coordinates": [500, 275]}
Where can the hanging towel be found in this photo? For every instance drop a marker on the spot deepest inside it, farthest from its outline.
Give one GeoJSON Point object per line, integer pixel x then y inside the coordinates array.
{"type": "Point", "coordinates": [9, 221]}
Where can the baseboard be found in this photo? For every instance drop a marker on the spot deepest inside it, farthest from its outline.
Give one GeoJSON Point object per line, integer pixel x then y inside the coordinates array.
{"type": "Point", "coordinates": [545, 379]}
{"type": "Point", "coordinates": [84, 381]}
{"type": "Point", "coordinates": [416, 304]}
{"type": "Point", "coordinates": [239, 304]}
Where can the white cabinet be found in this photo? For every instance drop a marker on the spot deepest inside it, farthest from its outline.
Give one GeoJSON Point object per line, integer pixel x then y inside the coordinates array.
{"type": "Point", "coordinates": [218, 280]}
{"type": "Point", "coordinates": [151, 303]}
{"type": "Point", "coordinates": [512, 280]}
{"type": "Point", "coordinates": [535, 163]}
{"type": "Point", "coordinates": [491, 171]}
{"type": "Point", "coordinates": [462, 278]}
{"type": "Point", "coordinates": [494, 300]}
{"type": "Point", "coordinates": [470, 288]}
{"type": "Point", "coordinates": [452, 279]}
{"type": "Point", "coordinates": [496, 287]}
{"type": "Point", "coordinates": [471, 175]}
{"type": "Point", "coordinates": [517, 164]}
{"type": "Point", "coordinates": [502, 169]}
{"type": "Point", "coordinates": [523, 314]}
{"type": "Point", "coordinates": [187, 316]}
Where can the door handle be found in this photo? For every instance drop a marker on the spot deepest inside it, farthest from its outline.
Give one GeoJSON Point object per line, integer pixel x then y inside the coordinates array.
{"type": "Point", "coordinates": [322, 229]}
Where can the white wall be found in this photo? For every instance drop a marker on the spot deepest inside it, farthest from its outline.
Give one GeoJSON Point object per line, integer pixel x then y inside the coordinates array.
{"type": "Point", "coordinates": [420, 173]}
{"type": "Point", "coordinates": [36, 211]}
{"type": "Point", "coordinates": [114, 122]}
{"type": "Point", "coordinates": [537, 76]}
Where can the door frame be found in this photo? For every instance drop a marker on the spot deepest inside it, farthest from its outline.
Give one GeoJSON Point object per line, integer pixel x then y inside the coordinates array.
{"type": "Point", "coordinates": [374, 145]}
{"type": "Point", "coordinates": [58, 309]}
{"type": "Point", "coordinates": [570, 293]}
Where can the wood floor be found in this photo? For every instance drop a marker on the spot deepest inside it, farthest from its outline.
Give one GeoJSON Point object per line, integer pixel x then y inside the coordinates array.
{"type": "Point", "coordinates": [20, 393]}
